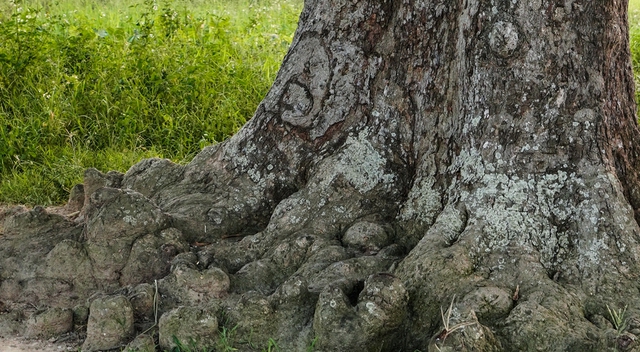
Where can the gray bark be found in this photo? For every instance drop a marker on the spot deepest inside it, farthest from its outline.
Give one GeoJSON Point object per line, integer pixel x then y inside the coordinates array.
{"type": "Point", "coordinates": [410, 156]}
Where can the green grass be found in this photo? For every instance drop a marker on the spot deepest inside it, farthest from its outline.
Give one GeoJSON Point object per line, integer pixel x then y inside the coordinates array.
{"type": "Point", "coordinates": [224, 345]}
{"type": "Point", "coordinates": [634, 36]}
{"type": "Point", "coordinates": [105, 83]}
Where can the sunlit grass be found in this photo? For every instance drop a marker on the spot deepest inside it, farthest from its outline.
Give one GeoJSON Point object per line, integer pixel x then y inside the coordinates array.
{"type": "Point", "coordinates": [634, 36]}
{"type": "Point", "coordinates": [104, 83]}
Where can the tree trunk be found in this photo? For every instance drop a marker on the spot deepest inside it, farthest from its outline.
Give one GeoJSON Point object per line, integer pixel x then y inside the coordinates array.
{"type": "Point", "coordinates": [414, 156]}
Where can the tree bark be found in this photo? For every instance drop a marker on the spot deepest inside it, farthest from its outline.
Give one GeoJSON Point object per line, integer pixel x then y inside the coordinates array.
{"type": "Point", "coordinates": [496, 138]}
{"type": "Point", "coordinates": [418, 155]}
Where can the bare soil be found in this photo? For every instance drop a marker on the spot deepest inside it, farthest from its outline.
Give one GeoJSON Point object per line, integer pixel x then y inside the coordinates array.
{"type": "Point", "coordinates": [18, 344]}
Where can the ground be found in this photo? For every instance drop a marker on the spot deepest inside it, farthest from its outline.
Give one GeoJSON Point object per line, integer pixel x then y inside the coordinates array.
{"type": "Point", "coordinates": [18, 344]}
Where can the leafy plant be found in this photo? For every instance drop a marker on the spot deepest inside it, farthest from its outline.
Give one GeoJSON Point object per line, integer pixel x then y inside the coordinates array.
{"type": "Point", "coordinates": [618, 318]}
{"type": "Point", "coordinates": [181, 347]}
{"type": "Point", "coordinates": [226, 339]}
{"type": "Point", "coordinates": [272, 346]}
{"type": "Point", "coordinates": [312, 345]}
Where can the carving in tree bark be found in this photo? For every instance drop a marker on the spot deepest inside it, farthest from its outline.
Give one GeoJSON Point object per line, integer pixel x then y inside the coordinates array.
{"type": "Point", "coordinates": [410, 155]}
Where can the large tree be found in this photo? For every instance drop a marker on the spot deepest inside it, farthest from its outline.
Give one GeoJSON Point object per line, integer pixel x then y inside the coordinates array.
{"type": "Point", "coordinates": [451, 174]}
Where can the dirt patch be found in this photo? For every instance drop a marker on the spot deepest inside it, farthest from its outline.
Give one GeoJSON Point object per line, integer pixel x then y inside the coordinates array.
{"type": "Point", "coordinates": [16, 344]}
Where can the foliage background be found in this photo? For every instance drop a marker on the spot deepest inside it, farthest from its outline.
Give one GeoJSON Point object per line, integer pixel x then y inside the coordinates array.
{"type": "Point", "coordinates": [105, 83]}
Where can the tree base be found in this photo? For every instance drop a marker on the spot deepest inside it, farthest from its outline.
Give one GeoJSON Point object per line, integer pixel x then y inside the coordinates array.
{"type": "Point", "coordinates": [343, 285]}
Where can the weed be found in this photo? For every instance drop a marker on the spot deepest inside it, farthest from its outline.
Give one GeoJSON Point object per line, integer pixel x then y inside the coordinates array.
{"type": "Point", "coordinates": [181, 347]}
{"type": "Point", "coordinates": [272, 346]}
{"type": "Point", "coordinates": [226, 339]}
{"type": "Point", "coordinates": [618, 319]}
{"type": "Point", "coordinates": [312, 345]}
{"type": "Point", "coordinates": [224, 345]}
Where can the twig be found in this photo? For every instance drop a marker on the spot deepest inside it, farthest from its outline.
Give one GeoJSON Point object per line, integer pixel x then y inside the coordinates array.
{"type": "Point", "coordinates": [155, 309]}
{"type": "Point", "coordinates": [448, 330]}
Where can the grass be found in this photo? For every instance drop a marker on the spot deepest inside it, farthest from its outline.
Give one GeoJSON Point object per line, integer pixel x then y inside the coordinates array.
{"type": "Point", "coordinates": [634, 36]}
{"type": "Point", "coordinates": [105, 83]}
{"type": "Point", "coordinates": [224, 345]}
{"type": "Point", "coordinates": [618, 319]}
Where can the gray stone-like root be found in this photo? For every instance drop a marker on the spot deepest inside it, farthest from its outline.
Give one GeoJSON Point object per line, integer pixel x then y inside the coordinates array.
{"type": "Point", "coordinates": [110, 324]}
{"type": "Point", "coordinates": [192, 327]}
{"type": "Point", "coordinates": [142, 343]}
{"type": "Point", "coordinates": [50, 323]}
{"type": "Point", "coordinates": [340, 325]}
{"type": "Point", "coordinates": [367, 236]}
{"type": "Point", "coordinates": [144, 300]}
{"type": "Point", "coordinates": [32, 235]}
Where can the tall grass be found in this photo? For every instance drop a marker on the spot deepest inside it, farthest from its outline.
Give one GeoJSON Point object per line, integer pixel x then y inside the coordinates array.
{"type": "Point", "coordinates": [104, 83]}
{"type": "Point", "coordinates": [634, 36]}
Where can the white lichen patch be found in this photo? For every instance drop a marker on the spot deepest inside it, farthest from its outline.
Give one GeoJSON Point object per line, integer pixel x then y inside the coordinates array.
{"type": "Point", "coordinates": [450, 223]}
{"type": "Point", "coordinates": [503, 38]}
{"type": "Point", "coordinates": [287, 207]}
{"type": "Point", "coordinates": [565, 217]}
{"type": "Point", "coordinates": [261, 183]}
{"type": "Point", "coordinates": [423, 202]}
{"type": "Point", "coordinates": [359, 163]}
{"type": "Point", "coordinates": [470, 165]}
{"type": "Point", "coordinates": [511, 216]}
{"type": "Point", "coordinates": [590, 254]}
{"type": "Point", "coordinates": [240, 157]}
{"type": "Point", "coordinates": [254, 174]}
{"type": "Point", "coordinates": [130, 220]}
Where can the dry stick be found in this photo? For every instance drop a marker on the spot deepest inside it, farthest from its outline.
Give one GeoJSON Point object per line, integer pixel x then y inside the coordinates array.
{"type": "Point", "coordinates": [155, 308]}
{"type": "Point", "coordinates": [232, 236]}
{"type": "Point", "coordinates": [70, 215]}
{"type": "Point", "coordinates": [451, 329]}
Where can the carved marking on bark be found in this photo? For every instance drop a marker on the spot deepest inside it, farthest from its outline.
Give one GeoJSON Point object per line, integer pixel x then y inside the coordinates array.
{"type": "Point", "coordinates": [303, 95]}
{"type": "Point", "coordinates": [297, 102]}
